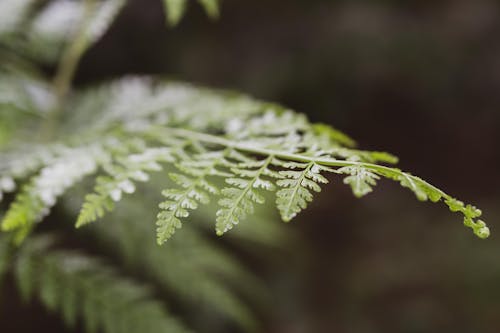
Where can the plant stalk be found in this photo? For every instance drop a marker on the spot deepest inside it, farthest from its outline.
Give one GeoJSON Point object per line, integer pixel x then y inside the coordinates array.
{"type": "Point", "coordinates": [67, 69]}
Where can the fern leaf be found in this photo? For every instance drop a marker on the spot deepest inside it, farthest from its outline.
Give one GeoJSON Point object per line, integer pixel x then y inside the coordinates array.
{"type": "Point", "coordinates": [295, 192]}
{"type": "Point", "coordinates": [197, 269]}
{"type": "Point", "coordinates": [81, 286]}
{"type": "Point", "coordinates": [189, 122]}
{"type": "Point", "coordinates": [251, 129]}
{"type": "Point", "coordinates": [360, 179]}
{"type": "Point", "coordinates": [194, 189]}
{"type": "Point", "coordinates": [239, 200]}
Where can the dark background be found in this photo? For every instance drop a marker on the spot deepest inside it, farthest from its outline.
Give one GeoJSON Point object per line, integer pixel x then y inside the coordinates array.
{"type": "Point", "coordinates": [420, 79]}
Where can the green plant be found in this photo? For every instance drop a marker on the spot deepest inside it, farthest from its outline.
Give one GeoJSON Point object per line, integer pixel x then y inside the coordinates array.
{"type": "Point", "coordinates": [215, 146]}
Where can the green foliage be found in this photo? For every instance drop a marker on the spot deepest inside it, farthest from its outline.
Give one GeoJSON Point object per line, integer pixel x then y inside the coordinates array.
{"type": "Point", "coordinates": [193, 145]}
{"type": "Point", "coordinates": [80, 286]}
{"type": "Point", "coordinates": [192, 266]}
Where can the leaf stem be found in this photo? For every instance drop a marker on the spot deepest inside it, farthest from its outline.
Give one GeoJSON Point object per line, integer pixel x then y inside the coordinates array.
{"type": "Point", "coordinates": [66, 70]}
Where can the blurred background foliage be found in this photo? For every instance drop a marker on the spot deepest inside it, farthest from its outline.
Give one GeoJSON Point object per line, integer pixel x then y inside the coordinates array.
{"type": "Point", "coordinates": [417, 78]}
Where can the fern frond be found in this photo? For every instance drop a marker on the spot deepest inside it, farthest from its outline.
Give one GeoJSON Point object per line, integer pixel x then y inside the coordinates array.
{"type": "Point", "coordinates": [264, 147]}
{"type": "Point", "coordinates": [80, 286]}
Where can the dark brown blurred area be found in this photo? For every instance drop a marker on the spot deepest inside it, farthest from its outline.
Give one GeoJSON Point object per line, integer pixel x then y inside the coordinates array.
{"type": "Point", "coordinates": [420, 79]}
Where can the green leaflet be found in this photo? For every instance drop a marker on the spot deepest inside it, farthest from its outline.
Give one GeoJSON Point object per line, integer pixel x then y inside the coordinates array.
{"type": "Point", "coordinates": [296, 187]}
{"type": "Point", "coordinates": [360, 179]}
{"type": "Point", "coordinates": [194, 189]}
{"type": "Point", "coordinates": [238, 200]}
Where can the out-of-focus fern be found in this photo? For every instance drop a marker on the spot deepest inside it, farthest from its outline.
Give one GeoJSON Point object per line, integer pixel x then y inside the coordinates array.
{"type": "Point", "coordinates": [194, 268]}
{"type": "Point", "coordinates": [53, 24]}
{"type": "Point", "coordinates": [82, 287]}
